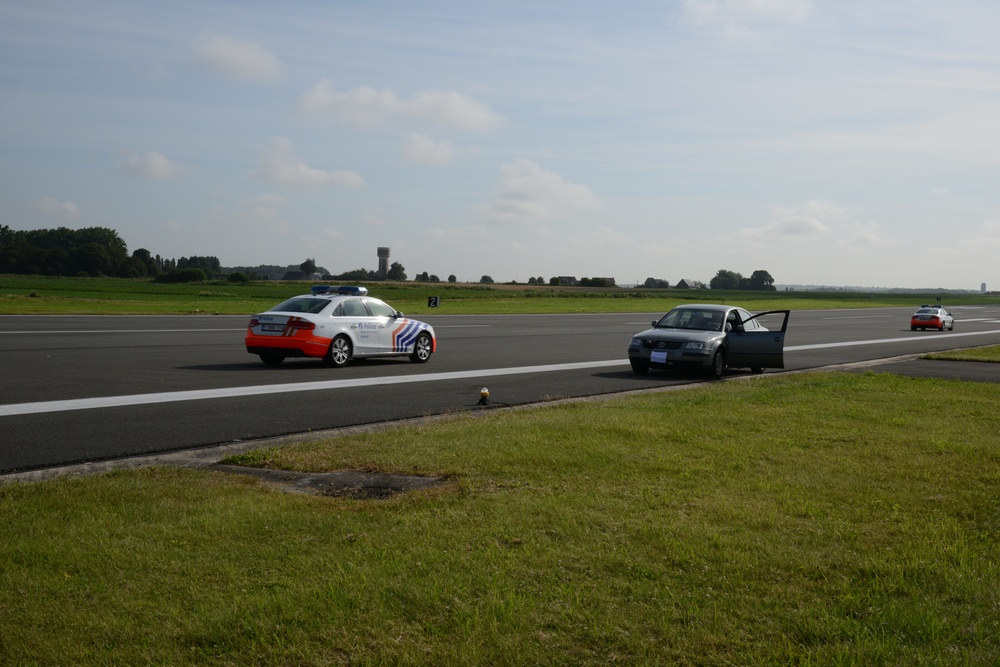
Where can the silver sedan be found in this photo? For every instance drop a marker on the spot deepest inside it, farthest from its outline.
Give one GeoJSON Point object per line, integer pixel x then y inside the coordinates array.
{"type": "Point", "coordinates": [710, 337]}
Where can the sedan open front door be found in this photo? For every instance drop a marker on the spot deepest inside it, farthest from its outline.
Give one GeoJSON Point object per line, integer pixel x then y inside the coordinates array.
{"type": "Point", "coordinates": [751, 345]}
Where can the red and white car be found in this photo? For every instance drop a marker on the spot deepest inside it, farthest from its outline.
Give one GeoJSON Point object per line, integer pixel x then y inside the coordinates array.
{"type": "Point", "coordinates": [932, 317]}
{"type": "Point", "coordinates": [337, 326]}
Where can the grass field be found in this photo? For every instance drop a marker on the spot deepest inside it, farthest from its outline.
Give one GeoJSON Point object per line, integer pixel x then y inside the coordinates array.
{"type": "Point", "coordinates": [107, 296]}
{"type": "Point", "coordinates": [808, 519]}
{"type": "Point", "coordinates": [812, 519]}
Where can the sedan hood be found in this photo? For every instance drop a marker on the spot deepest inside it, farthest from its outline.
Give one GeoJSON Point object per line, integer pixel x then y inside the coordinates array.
{"type": "Point", "coordinates": [681, 335]}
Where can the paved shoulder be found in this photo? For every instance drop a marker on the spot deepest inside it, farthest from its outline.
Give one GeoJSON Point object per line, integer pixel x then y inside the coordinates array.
{"type": "Point", "coordinates": [971, 371]}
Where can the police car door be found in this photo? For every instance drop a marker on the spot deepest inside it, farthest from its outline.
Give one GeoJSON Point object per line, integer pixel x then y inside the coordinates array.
{"type": "Point", "coordinates": [364, 327]}
{"type": "Point", "coordinates": [386, 317]}
{"type": "Point", "coordinates": [751, 345]}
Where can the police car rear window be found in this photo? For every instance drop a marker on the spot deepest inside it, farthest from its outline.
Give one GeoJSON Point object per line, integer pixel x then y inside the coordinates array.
{"type": "Point", "coordinates": [302, 305]}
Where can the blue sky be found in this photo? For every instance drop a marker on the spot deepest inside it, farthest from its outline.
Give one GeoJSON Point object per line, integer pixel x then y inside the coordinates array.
{"type": "Point", "coordinates": [843, 142]}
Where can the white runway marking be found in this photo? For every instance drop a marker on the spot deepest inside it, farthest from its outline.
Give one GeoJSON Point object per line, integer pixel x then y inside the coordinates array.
{"type": "Point", "coordinates": [116, 331]}
{"type": "Point", "coordinates": [908, 339]}
{"type": "Point", "coordinates": [260, 390]}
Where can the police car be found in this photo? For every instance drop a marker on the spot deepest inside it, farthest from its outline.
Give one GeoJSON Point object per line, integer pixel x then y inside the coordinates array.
{"type": "Point", "coordinates": [932, 317]}
{"type": "Point", "coordinates": [337, 324]}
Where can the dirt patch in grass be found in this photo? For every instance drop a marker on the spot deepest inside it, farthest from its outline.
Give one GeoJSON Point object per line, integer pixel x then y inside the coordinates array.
{"type": "Point", "coordinates": [340, 484]}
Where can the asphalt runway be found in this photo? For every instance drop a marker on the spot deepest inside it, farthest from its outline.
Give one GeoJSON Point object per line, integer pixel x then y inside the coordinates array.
{"type": "Point", "coordinates": [91, 388]}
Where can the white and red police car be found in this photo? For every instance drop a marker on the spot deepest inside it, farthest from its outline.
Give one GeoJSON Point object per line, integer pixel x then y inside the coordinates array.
{"type": "Point", "coordinates": [337, 324]}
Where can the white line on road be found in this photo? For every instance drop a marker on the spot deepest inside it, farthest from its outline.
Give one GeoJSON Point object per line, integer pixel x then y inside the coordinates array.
{"type": "Point", "coordinates": [116, 331]}
{"type": "Point", "coordinates": [908, 339]}
{"type": "Point", "coordinates": [259, 390]}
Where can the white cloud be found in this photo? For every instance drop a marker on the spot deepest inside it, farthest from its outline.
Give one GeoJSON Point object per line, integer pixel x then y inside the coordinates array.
{"type": "Point", "coordinates": [866, 235]}
{"type": "Point", "coordinates": [528, 192]}
{"type": "Point", "coordinates": [806, 220]}
{"type": "Point", "coordinates": [366, 105]}
{"type": "Point", "coordinates": [372, 220]}
{"type": "Point", "coordinates": [238, 60]}
{"type": "Point", "coordinates": [263, 211]}
{"type": "Point", "coordinates": [742, 12]}
{"type": "Point", "coordinates": [421, 149]}
{"type": "Point", "coordinates": [151, 165]}
{"type": "Point", "coordinates": [56, 209]}
{"type": "Point", "coordinates": [280, 166]}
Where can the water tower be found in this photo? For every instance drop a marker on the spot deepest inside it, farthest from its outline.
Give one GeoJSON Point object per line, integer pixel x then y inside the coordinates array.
{"type": "Point", "coordinates": [383, 263]}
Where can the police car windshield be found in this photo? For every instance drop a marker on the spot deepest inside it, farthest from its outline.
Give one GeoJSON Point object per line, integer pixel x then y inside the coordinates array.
{"type": "Point", "coordinates": [302, 304]}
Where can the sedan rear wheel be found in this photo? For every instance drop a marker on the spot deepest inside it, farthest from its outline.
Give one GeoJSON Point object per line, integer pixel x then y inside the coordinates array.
{"type": "Point", "coordinates": [422, 349]}
{"type": "Point", "coordinates": [718, 364]}
{"type": "Point", "coordinates": [339, 353]}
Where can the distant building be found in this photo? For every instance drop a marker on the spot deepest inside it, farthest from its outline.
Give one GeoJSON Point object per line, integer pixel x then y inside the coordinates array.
{"type": "Point", "coordinates": [982, 288]}
{"type": "Point", "coordinates": [383, 263]}
{"type": "Point", "coordinates": [682, 284]}
{"type": "Point", "coordinates": [568, 281]}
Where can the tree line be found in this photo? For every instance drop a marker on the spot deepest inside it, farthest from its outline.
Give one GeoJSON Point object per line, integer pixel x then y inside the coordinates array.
{"type": "Point", "coordinates": [759, 280]}
{"type": "Point", "coordinates": [98, 251]}
{"type": "Point", "coordinates": [91, 251]}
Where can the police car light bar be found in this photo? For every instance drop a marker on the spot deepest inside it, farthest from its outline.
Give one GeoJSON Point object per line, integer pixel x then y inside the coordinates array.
{"type": "Point", "coordinates": [343, 289]}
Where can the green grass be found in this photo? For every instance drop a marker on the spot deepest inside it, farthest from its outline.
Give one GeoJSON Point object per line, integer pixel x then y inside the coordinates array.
{"type": "Point", "coordinates": [790, 519]}
{"type": "Point", "coordinates": [988, 353]}
{"type": "Point", "coordinates": [110, 296]}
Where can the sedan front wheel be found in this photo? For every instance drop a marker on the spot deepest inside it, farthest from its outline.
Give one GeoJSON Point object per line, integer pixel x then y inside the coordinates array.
{"type": "Point", "coordinates": [718, 364]}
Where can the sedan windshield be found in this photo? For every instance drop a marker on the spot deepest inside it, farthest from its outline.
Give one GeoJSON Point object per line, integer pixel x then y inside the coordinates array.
{"type": "Point", "coordinates": [692, 318]}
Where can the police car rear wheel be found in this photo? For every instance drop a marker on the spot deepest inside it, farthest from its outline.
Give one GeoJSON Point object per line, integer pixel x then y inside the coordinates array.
{"type": "Point", "coordinates": [422, 349]}
{"type": "Point", "coordinates": [339, 353]}
{"type": "Point", "coordinates": [272, 359]}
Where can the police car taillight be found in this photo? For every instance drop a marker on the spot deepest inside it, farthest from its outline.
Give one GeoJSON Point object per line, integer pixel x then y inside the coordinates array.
{"type": "Point", "coordinates": [305, 325]}
{"type": "Point", "coordinates": [254, 322]}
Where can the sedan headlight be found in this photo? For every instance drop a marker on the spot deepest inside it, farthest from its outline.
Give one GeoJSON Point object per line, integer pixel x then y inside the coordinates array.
{"type": "Point", "coordinates": [636, 342]}
{"type": "Point", "coordinates": [696, 346]}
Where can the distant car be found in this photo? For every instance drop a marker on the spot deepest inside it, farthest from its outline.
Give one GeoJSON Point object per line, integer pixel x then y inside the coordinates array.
{"type": "Point", "coordinates": [932, 317]}
{"type": "Point", "coordinates": [337, 327]}
{"type": "Point", "coordinates": [710, 338]}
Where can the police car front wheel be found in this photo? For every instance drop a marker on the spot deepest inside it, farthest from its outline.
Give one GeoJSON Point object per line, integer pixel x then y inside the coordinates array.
{"type": "Point", "coordinates": [422, 349]}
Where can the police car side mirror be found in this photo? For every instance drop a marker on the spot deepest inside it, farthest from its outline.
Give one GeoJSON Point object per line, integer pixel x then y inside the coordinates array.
{"type": "Point", "coordinates": [398, 314]}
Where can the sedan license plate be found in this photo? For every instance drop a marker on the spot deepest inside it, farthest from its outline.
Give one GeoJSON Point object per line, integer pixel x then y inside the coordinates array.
{"type": "Point", "coordinates": [658, 357]}
{"type": "Point", "coordinates": [272, 327]}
